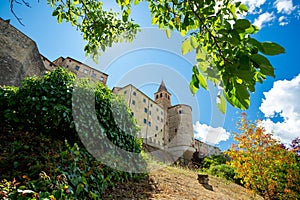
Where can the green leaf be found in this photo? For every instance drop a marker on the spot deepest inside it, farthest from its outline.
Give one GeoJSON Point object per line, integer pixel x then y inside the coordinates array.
{"type": "Point", "coordinates": [243, 7]}
{"type": "Point", "coordinates": [271, 48]}
{"type": "Point", "coordinates": [195, 70]}
{"type": "Point", "coordinates": [194, 42]}
{"type": "Point", "coordinates": [194, 84]}
{"type": "Point", "coordinates": [200, 54]}
{"type": "Point", "coordinates": [168, 32]}
{"type": "Point", "coordinates": [59, 18]}
{"type": "Point", "coordinates": [55, 13]}
{"type": "Point", "coordinates": [202, 81]}
{"type": "Point", "coordinates": [255, 43]}
{"type": "Point", "coordinates": [221, 104]}
{"type": "Point", "coordinates": [241, 25]}
{"type": "Point", "coordinates": [264, 64]}
{"type": "Point", "coordinates": [186, 47]}
{"type": "Point", "coordinates": [238, 96]}
{"type": "Point", "coordinates": [242, 96]}
{"type": "Point", "coordinates": [244, 62]}
{"type": "Point", "coordinates": [193, 88]}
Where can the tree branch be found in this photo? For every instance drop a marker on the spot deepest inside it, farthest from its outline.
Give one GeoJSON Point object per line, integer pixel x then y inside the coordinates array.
{"type": "Point", "coordinates": [207, 29]}
{"type": "Point", "coordinates": [12, 2]}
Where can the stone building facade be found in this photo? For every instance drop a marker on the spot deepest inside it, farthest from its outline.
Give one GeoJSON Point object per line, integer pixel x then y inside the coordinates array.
{"type": "Point", "coordinates": [163, 126]}
{"type": "Point", "coordinates": [80, 69]}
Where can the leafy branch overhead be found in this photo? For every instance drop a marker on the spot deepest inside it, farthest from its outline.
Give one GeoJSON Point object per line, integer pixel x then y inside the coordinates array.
{"type": "Point", "coordinates": [226, 53]}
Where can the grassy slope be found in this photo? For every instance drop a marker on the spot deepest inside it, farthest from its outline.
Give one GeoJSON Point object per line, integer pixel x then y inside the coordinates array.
{"type": "Point", "coordinates": [170, 183]}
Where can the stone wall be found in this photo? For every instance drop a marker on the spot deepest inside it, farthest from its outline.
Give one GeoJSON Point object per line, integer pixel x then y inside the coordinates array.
{"type": "Point", "coordinates": [181, 131]}
{"type": "Point", "coordinates": [19, 56]}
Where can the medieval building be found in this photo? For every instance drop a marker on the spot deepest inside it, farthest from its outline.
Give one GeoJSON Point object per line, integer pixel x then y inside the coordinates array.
{"type": "Point", "coordinates": [164, 126]}
{"type": "Point", "coordinates": [78, 68]}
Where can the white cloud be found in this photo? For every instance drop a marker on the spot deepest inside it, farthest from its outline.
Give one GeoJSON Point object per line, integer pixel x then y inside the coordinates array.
{"type": "Point", "coordinates": [284, 6]}
{"type": "Point", "coordinates": [254, 5]}
{"type": "Point", "coordinates": [283, 100]}
{"type": "Point", "coordinates": [210, 134]}
{"type": "Point", "coordinates": [283, 21]}
{"type": "Point", "coordinates": [263, 19]}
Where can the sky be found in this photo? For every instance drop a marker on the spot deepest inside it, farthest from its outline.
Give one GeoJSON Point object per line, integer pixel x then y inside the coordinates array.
{"type": "Point", "coordinates": [151, 58]}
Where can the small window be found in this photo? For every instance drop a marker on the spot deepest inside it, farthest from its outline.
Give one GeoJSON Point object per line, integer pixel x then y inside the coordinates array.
{"type": "Point", "coordinates": [145, 121]}
{"type": "Point", "coordinates": [155, 135]}
{"type": "Point", "coordinates": [149, 112]}
{"type": "Point", "coordinates": [145, 110]}
{"type": "Point", "coordinates": [77, 67]}
{"type": "Point", "coordinates": [85, 71]}
{"type": "Point", "coordinates": [156, 128]}
{"type": "Point", "coordinates": [132, 114]}
{"type": "Point", "coordinates": [175, 130]}
{"type": "Point", "coordinates": [101, 78]}
{"type": "Point", "coordinates": [151, 104]}
{"type": "Point", "coordinates": [156, 97]}
{"type": "Point", "coordinates": [166, 95]}
{"type": "Point", "coordinates": [67, 66]}
{"type": "Point", "coordinates": [180, 112]}
{"type": "Point", "coordinates": [70, 60]}
{"type": "Point", "coordinates": [157, 117]}
{"type": "Point", "coordinates": [157, 109]}
{"type": "Point", "coordinates": [133, 102]}
{"type": "Point", "coordinates": [94, 75]}
{"type": "Point", "coordinates": [144, 100]}
{"type": "Point", "coordinates": [125, 92]}
{"type": "Point", "coordinates": [134, 93]}
{"type": "Point", "coordinates": [169, 140]}
{"type": "Point", "coordinates": [160, 95]}
{"type": "Point", "coordinates": [162, 120]}
{"type": "Point", "coordinates": [161, 112]}
{"type": "Point", "coordinates": [149, 123]}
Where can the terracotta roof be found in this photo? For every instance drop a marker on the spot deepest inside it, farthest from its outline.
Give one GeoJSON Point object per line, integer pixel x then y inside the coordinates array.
{"type": "Point", "coordinates": [162, 87]}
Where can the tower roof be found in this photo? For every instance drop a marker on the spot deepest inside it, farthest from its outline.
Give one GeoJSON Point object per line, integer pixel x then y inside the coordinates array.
{"type": "Point", "coordinates": [162, 87]}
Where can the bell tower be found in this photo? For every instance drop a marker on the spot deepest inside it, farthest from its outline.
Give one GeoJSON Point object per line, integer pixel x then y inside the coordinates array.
{"type": "Point", "coordinates": [162, 96]}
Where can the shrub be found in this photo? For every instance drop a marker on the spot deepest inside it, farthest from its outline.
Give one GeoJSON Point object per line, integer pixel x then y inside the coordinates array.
{"type": "Point", "coordinates": [213, 160]}
{"type": "Point", "coordinates": [39, 116]}
{"type": "Point", "coordinates": [223, 171]}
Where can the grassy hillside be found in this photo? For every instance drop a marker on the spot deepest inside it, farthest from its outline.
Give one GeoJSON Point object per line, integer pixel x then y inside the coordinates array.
{"type": "Point", "coordinates": [177, 183]}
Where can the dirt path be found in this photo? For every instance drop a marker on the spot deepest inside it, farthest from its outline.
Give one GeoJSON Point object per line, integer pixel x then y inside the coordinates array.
{"type": "Point", "coordinates": [170, 183]}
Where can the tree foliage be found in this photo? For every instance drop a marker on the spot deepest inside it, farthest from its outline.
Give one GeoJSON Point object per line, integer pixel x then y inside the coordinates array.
{"type": "Point", "coordinates": [264, 166]}
{"type": "Point", "coordinates": [226, 52]}
{"type": "Point", "coordinates": [37, 117]}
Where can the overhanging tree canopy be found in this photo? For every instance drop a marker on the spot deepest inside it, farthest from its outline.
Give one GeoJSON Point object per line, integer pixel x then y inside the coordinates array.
{"type": "Point", "coordinates": [226, 52]}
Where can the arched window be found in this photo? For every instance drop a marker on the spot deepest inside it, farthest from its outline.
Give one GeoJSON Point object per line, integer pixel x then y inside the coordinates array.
{"type": "Point", "coordinates": [160, 94]}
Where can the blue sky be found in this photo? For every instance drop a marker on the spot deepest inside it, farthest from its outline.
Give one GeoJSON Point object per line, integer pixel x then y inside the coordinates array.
{"type": "Point", "coordinates": [275, 102]}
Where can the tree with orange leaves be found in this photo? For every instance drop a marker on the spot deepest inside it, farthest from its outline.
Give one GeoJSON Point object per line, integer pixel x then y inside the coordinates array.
{"type": "Point", "coordinates": [262, 164]}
